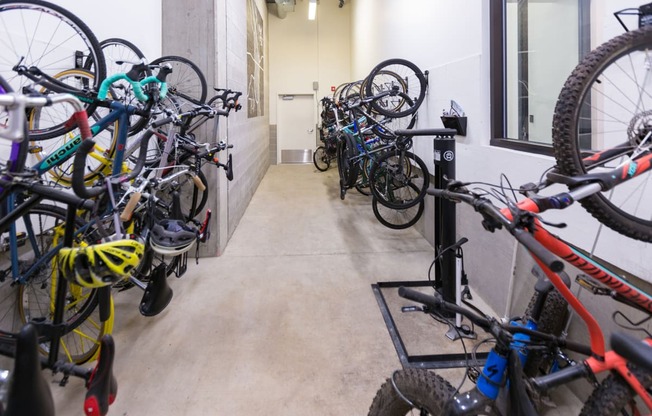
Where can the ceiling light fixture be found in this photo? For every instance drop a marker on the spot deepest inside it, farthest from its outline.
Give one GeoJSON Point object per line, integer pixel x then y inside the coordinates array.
{"type": "Point", "coordinates": [312, 9]}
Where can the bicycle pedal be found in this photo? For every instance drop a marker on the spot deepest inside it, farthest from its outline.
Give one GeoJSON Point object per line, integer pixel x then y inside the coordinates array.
{"type": "Point", "coordinates": [473, 374]}
{"type": "Point", "coordinates": [585, 282]}
{"type": "Point", "coordinates": [21, 239]}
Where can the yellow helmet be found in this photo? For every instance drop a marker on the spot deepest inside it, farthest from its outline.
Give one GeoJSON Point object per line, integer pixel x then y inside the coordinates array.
{"type": "Point", "coordinates": [101, 264]}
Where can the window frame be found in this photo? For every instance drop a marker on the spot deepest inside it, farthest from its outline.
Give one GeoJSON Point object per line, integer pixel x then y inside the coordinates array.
{"type": "Point", "coordinates": [498, 63]}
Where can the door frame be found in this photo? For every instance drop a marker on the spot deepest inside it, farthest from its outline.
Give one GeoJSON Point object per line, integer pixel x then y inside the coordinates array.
{"type": "Point", "coordinates": [279, 98]}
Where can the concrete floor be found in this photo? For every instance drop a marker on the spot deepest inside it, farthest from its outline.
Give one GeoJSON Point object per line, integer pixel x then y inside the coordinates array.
{"type": "Point", "coordinates": [283, 323]}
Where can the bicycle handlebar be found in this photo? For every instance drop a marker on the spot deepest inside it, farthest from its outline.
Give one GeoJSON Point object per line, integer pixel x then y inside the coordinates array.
{"type": "Point", "coordinates": [494, 218]}
{"type": "Point", "coordinates": [438, 303]}
{"type": "Point", "coordinates": [490, 325]}
{"type": "Point", "coordinates": [632, 349]}
{"type": "Point", "coordinates": [201, 110]}
{"type": "Point", "coordinates": [79, 167]}
{"type": "Point", "coordinates": [17, 103]}
{"type": "Point", "coordinates": [229, 102]}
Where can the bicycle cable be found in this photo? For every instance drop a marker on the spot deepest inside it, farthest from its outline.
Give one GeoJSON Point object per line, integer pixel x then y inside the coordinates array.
{"type": "Point", "coordinates": [437, 317]}
{"type": "Point", "coordinates": [398, 391]}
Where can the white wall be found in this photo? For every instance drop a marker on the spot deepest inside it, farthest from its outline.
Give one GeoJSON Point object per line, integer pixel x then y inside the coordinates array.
{"type": "Point", "coordinates": [302, 51]}
{"type": "Point", "coordinates": [136, 21]}
{"type": "Point", "coordinates": [444, 37]}
{"type": "Point", "coordinates": [450, 38]}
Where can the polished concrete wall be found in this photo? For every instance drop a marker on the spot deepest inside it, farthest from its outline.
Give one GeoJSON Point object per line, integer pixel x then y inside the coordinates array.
{"type": "Point", "coordinates": [220, 49]}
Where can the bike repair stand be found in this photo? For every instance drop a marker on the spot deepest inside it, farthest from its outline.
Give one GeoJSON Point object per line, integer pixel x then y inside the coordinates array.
{"type": "Point", "coordinates": [449, 276]}
{"type": "Point", "coordinates": [449, 273]}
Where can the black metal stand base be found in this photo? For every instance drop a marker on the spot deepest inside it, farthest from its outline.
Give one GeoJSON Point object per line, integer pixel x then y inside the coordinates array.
{"type": "Point", "coordinates": [428, 361]}
{"type": "Point", "coordinates": [456, 333]}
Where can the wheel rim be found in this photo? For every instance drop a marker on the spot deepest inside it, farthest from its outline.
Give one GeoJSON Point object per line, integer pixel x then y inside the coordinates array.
{"type": "Point", "coordinates": [614, 110]}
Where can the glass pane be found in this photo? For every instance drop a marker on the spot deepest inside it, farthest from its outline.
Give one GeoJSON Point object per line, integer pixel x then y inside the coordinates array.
{"type": "Point", "coordinates": [543, 46]}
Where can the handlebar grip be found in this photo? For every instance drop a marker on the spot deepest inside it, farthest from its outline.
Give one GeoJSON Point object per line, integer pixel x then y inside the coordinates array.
{"type": "Point", "coordinates": [163, 121]}
{"type": "Point", "coordinates": [79, 167]}
{"type": "Point", "coordinates": [198, 183]}
{"type": "Point", "coordinates": [106, 84]}
{"type": "Point", "coordinates": [131, 205]}
{"type": "Point", "coordinates": [437, 303]}
{"type": "Point", "coordinates": [163, 91]}
{"type": "Point", "coordinates": [433, 301]}
{"type": "Point", "coordinates": [539, 251]}
{"type": "Point", "coordinates": [632, 349]}
{"type": "Point", "coordinates": [434, 191]}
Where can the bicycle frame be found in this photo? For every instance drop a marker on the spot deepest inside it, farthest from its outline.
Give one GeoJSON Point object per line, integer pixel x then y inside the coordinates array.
{"type": "Point", "coordinates": [600, 361]}
{"type": "Point", "coordinates": [100, 382]}
{"type": "Point", "coordinates": [119, 112]}
{"type": "Point", "coordinates": [544, 247]}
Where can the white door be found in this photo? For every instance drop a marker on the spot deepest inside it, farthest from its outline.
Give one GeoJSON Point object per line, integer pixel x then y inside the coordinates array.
{"type": "Point", "coordinates": [296, 136]}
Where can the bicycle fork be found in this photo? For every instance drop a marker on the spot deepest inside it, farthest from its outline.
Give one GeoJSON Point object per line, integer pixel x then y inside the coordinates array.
{"type": "Point", "coordinates": [481, 398]}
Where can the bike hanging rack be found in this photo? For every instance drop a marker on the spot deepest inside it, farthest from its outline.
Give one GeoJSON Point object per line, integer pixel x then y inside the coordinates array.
{"type": "Point", "coordinates": [449, 278]}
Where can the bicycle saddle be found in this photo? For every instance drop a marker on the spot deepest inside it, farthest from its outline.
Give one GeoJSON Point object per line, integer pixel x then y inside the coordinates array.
{"type": "Point", "coordinates": [29, 393]}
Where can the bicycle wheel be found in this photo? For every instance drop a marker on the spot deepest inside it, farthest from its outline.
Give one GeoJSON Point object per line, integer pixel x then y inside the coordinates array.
{"type": "Point", "coordinates": [192, 199]}
{"type": "Point", "coordinates": [186, 81]}
{"type": "Point", "coordinates": [347, 168]}
{"type": "Point", "coordinates": [46, 36]}
{"type": "Point", "coordinates": [338, 92]}
{"type": "Point", "coordinates": [320, 159]}
{"type": "Point", "coordinates": [384, 126]}
{"type": "Point", "coordinates": [399, 179]}
{"type": "Point", "coordinates": [397, 219]}
{"type": "Point", "coordinates": [351, 93]}
{"type": "Point", "coordinates": [98, 162]}
{"type": "Point", "coordinates": [387, 80]}
{"type": "Point", "coordinates": [120, 56]}
{"type": "Point", "coordinates": [614, 396]}
{"type": "Point", "coordinates": [402, 77]}
{"type": "Point", "coordinates": [34, 298]}
{"type": "Point", "coordinates": [428, 392]}
{"type": "Point", "coordinates": [605, 105]}
{"type": "Point", "coordinates": [553, 319]}
{"type": "Point", "coordinates": [362, 184]}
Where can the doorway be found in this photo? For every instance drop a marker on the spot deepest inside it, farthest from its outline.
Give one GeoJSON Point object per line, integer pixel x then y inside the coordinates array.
{"type": "Point", "coordinates": [296, 129]}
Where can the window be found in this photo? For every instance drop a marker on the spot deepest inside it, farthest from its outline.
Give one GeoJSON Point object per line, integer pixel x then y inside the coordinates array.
{"type": "Point", "coordinates": [535, 44]}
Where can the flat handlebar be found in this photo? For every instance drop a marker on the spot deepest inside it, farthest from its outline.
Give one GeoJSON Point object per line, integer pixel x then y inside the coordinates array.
{"type": "Point", "coordinates": [438, 303]}
{"type": "Point", "coordinates": [490, 211]}
{"type": "Point", "coordinates": [634, 350]}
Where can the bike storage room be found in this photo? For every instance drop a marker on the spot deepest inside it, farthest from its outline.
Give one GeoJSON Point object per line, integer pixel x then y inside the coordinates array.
{"type": "Point", "coordinates": [325, 207]}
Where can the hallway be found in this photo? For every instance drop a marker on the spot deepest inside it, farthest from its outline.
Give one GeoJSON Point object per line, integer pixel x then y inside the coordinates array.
{"type": "Point", "coordinates": [283, 323]}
